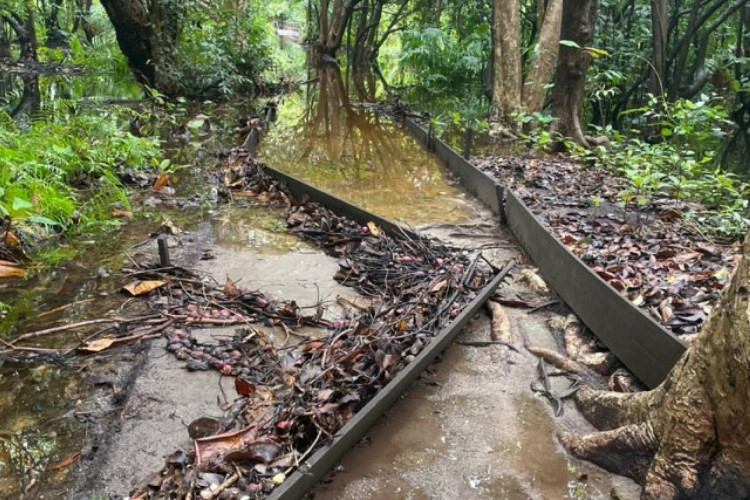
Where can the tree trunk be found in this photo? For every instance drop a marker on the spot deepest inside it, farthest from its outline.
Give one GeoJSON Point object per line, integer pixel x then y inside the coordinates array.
{"type": "Point", "coordinates": [25, 33]}
{"type": "Point", "coordinates": [506, 78]}
{"type": "Point", "coordinates": [134, 36]}
{"type": "Point", "coordinates": [332, 25]}
{"type": "Point", "coordinates": [545, 56]}
{"type": "Point", "coordinates": [578, 21]}
{"type": "Point", "coordinates": [689, 437]}
{"type": "Point", "coordinates": [659, 27]}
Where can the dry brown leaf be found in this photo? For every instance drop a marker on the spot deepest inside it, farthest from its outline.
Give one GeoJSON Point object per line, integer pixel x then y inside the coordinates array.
{"type": "Point", "coordinates": [66, 461]}
{"type": "Point", "coordinates": [161, 181]}
{"type": "Point", "coordinates": [10, 239]}
{"type": "Point", "coordinates": [230, 289]}
{"type": "Point", "coordinates": [127, 214]}
{"type": "Point", "coordinates": [439, 285]}
{"type": "Point", "coordinates": [137, 288]}
{"type": "Point", "coordinates": [96, 345]}
{"type": "Point", "coordinates": [10, 270]}
{"type": "Point", "coordinates": [374, 230]}
{"type": "Point", "coordinates": [220, 443]}
{"type": "Point", "coordinates": [244, 194]}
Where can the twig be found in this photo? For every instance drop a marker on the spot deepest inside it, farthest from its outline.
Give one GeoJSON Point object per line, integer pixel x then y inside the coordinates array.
{"type": "Point", "coordinates": [487, 343]}
{"type": "Point", "coordinates": [226, 484]}
{"type": "Point", "coordinates": [81, 324]}
{"type": "Point", "coordinates": [543, 306]}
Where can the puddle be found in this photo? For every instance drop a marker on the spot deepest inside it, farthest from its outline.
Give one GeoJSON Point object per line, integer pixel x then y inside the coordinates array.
{"type": "Point", "coordinates": [37, 428]}
{"type": "Point", "coordinates": [259, 229]}
{"type": "Point", "coordinates": [470, 428]}
{"type": "Point", "coordinates": [322, 138]}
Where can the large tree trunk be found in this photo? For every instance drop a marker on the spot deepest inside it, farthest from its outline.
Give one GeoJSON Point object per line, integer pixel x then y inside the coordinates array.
{"type": "Point", "coordinates": [689, 437]}
{"type": "Point", "coordinates": [545, 56]}
{"type": "Point", "coordinates": [506, 64]}
{"type": "Point", "coordinates": [578, 22]}
{"type": "Point", "coordinates": [331, 25]}
{"type": "Point", "coordinates": [659, 27]}
{"type": "Point", "coordinates": [135, 33]}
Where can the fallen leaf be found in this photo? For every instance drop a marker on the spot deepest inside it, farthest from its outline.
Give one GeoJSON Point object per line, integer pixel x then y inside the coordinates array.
{"type": "Point", "coordinates": [243, 387]}
{"type": "Point", "coordinates": [203, 427]}
{"type": "Point", "coordinates": [231, 290]}
{"type": "Point", "coordinates": [221, 443]}
{"type": "Point", "coordinates": [122, 213]}
{"type": "Point", "coordinates": [10, 270]}
{"type": "Point", "coordinates": [161, 181]}
{"type": "Point", "coordinates": [97, 345]}
{"type": "Point", "coordinates": [374, 230]}
{"type": "Point", "coordinates": [10, 239]}
{"type": "Point", "coordinates": [137, 288]}
{"type": "Point", "coordinates": [66, 461]}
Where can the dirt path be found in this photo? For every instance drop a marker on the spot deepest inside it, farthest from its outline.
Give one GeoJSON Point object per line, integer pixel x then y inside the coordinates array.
{"type": "Point", "coordinates": [472, 427]}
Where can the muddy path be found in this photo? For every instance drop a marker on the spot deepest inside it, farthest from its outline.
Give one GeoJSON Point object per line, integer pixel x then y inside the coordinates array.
{"type": "Point", "coordinates": [471, 427]}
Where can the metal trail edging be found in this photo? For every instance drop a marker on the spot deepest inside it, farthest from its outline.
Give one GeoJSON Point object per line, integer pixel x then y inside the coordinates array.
{"type": "Point", "coordinates": [299, 189]}
{"type": "Point", "coordinates": [321, 462]}
{"type": "Point", "coordinates": [312, 470]}
{"type": "Point", "coordinates": [476, 181]}
{"type": "Point", "coordinates": [647, 349]}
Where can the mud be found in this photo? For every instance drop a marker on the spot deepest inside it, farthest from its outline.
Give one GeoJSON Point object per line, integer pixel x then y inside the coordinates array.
{"type": "Point", "coordinates": [471, 427]}
{"type": "Point", "coordinates": [164, 397]}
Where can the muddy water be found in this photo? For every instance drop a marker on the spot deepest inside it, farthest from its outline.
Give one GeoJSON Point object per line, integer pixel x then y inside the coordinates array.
{"type": "Point", "coordinates": [323, 138]}
{"type": "Point", "coordinates": [471, 427]}
{"type": "Point", "coordinates": [47, 408]}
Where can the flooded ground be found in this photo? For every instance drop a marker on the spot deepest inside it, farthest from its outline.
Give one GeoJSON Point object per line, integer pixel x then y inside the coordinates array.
{"type": "Point", "coordinates": [323, 138]}
{"type": "Point", "coordinates": [471, 427]}
{"type": "Point", "coordinates": [50, 411]}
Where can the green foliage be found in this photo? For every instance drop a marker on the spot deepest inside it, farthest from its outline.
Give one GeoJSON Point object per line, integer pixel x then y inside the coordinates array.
{"type": "Point", "coordinates": [445, 73]}
{"type": "Point", "coordinates": [64, 168]}
{"type": "Point", "coordinates": [444, 63]}
{"type": "Point", "coordinates": [683, 164]}
{"type": "Point", "coordinates": [221, 48]}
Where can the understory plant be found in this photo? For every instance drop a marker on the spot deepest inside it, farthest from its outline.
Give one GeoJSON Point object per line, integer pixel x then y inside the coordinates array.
{"type": "Point", "coordinates": [683, 162]}
{"type": "Point", "coordinates": [62, 173]}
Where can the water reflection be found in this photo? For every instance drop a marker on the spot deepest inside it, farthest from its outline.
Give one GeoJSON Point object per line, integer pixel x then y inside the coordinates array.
{"type": "Point", "coordinates": [326, 140]}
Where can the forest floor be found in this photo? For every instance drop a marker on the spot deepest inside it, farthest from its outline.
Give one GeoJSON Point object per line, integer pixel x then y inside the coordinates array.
{"type": "Point", "coordinates": [470, 427]}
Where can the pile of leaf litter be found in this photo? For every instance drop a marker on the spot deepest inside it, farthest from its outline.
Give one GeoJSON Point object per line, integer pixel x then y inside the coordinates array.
{"type": "Point", "coordinates": [645, 249]}
{"type": "Point", "coordinates": [296, 395]}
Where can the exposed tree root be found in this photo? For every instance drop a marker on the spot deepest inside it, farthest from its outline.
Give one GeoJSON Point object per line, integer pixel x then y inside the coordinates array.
{"type": "Point", "coordinates": [689, 437]}
{"type": "Point", "coordinates": [501, 327]}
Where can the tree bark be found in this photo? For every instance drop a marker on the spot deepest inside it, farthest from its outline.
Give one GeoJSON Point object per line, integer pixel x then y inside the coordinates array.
{"type": "Point", "coordinates": [659, 27]}
{"type": "Point", "coordinates": [134, 36]}
{"type": "Point", "coordinates": [689, 437]}
{"type": "Point", "coordinates": [543, 62]}
{"type": "Point", "coordinates": [26, 34]}
{"type": "Point", "coordinates": [506, 78]}
{"type": "Point", "coordinates": [578, 21]}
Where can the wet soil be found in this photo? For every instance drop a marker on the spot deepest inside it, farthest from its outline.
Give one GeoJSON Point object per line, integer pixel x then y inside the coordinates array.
{"type": "Point", "coordinates": [471, 427]}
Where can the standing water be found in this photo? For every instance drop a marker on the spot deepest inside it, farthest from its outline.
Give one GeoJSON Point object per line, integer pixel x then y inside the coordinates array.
{"type": "Point", "coordinates": [49, 406]}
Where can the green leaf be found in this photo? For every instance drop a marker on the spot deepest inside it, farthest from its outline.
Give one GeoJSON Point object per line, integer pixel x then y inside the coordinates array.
{"type": "Point", "coordinates": [21, 204]}
{"type": "Point", "coordinates": [570, 43]}
{"type": "Point", "coordinates": [45, 221]}
{"type": "Point", "coordinates": [665, 132]}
